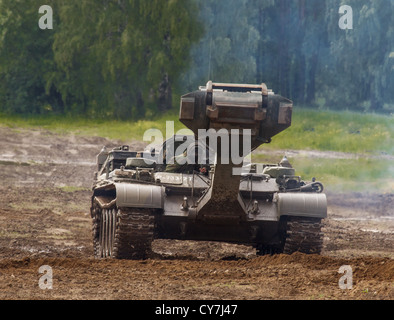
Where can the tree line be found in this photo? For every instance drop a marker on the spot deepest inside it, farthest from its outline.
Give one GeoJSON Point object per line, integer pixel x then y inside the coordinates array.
{"type": "Point", "coordinates": [132, 59]}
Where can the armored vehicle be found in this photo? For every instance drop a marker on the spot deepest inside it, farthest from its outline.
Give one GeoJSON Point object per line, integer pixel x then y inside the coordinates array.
{"type": "Point", "coordinates": [200, 187]}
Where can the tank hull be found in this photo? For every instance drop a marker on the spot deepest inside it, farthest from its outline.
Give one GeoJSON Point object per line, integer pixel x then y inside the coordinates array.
{"type": "Point", "coordinates": [138, 197]}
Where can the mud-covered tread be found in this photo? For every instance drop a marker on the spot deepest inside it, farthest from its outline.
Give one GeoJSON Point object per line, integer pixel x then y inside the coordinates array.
{"type": "Point", "coordinates": [122, 233]}
{"type": "Point", "coordinates": [134, 233]}
{"type": "Point", "coordinates": [303, 235]}
{"type": "Point", "coordinates": [96, 214]}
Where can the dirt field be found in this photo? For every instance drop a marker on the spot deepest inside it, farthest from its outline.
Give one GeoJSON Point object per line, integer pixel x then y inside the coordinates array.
{"type": "Point", "coordinates": [45, 221]}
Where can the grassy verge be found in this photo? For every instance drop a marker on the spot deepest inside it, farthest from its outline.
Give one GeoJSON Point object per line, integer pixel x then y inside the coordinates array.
{"type": "Point", "coordinates": [364, 134]}
{"type": "Point", "coordinates": [341, 175]}
{"type": "Point", "coordinates": [112, 129]}
{"type": "Point", "coordinates": [314, 130]}
{"type": "Point", "coordinates": [338, 131]}
{"type": "Point", "coordinates": [72, 189]}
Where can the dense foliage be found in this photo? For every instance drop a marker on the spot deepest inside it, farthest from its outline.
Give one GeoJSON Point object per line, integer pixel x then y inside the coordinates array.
{"type": "Point", "coordinates": [133, 58]}
{"type": "Point", "coordinates": [102, 58]}
{"type": "Point", "coordinates": [299, 50]}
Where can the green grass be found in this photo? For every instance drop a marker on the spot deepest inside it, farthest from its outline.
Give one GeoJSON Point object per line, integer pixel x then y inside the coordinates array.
{"type": "Point", "coordinates": [315, 130]}
{"type": "Point", "coordinates": [71, 189]}
{"type": "Point", "coordinates": [13, 163]}
{"type": "Point", "coordinates": [373, 175]}
{"type": "Point", "coordinates": [338, 131]}
{"type": "Point", "coordinates": [364, 134]}
{"type": "Point", "coordinates": [112, 129]}
{"type": "Point", "coordinates": [339, 175]}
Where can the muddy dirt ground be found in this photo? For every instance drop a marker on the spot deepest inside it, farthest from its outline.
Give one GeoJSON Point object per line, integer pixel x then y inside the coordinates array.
{"type": "Point", "coordinates": [44, 221]}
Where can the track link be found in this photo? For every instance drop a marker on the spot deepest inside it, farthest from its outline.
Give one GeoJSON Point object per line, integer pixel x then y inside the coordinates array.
{"type": "Point", "coordinates": [122, 233]}
{"type": "Point", "coordinates": [303, 235]}
{"type": "Point", "coordinates": [134, 233]}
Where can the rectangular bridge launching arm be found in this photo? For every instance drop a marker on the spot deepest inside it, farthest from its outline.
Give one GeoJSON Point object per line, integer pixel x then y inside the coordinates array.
{"type": "Point", "coordinates": [221, 108]}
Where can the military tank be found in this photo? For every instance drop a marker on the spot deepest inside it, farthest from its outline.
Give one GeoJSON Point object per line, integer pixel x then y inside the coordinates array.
{"type": "Point", "coordinates": [200, 187]}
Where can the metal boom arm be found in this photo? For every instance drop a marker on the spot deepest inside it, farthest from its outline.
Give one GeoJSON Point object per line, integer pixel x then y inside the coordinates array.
{"type": "Point", "coordinates": [241, 107]}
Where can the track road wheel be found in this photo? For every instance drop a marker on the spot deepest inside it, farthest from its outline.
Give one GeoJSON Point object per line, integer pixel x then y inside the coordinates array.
{"type": "Point", "coordinates": [123, 233]}
{"type": "Point", "coordinates": [304, 235]}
